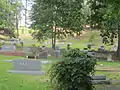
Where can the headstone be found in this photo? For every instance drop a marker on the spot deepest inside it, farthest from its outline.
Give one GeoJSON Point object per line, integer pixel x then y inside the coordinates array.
{"type": "Point", "coordinates": [43, 48]}
{"type": "Point", "coordinates": [62, 50]}
{"type": "Point", "coordinates": [85, 50]}
{"type": "Point", "coordinates": [32, 67]}
{"type": "Point", "coordinates": [91, 53]}
{"type": "Point", "coordinates": [57, 53]}
{"type": "Point", "coordinates": [43, 55]}
{"type": "Point", "coordinates": [26, 49]}
{"type": "Point", "coordinates": [29, 52]}
{"type": "Point", "coordinates": [109, 57]}
{"type": "Point", "coordinates": [21, 42]}
{"type": "Point", "coordinates": [89, 46]}
{"type": "Point", "coordinates": [57, 48]}
{"type": "Point", "coordinates": [102, 48]}
{"type": "Point", "coordinates": [94, 47]}
{"type": "Point", "coordinates": [26, 65]}
{"type": "Point", "coordinates": [70, 43]}
{"type": "Point", "coordinates": [8, 48]}
{"type": "Point", "coordinates": [50, 51]}
{"type": "Point", "coordinates": [115, 48]}
{"type": "Point", "coordinates": [61, 44]}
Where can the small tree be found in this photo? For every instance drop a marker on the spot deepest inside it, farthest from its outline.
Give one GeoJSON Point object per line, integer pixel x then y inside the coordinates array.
{"type": "Point", "coordinates": [73, 73]}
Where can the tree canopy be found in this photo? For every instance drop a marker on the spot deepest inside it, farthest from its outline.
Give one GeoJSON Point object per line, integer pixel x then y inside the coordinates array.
{"type": "Point", "coordinates": [105, 15]}
{"type": "Point", "coordinates": [57, 17]}
{"type": "Point", "coordinates": [65, 17]}
{"type": "Point", "coordinates": [8, 12]}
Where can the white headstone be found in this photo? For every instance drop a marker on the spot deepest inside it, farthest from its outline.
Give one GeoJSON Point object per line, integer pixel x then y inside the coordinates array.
{"type": "Point", "coordinates": [109, 57]}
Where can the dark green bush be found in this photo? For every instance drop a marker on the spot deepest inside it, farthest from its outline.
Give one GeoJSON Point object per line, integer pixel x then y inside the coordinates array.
{"type": "Point", "coordinates": [73, 73]}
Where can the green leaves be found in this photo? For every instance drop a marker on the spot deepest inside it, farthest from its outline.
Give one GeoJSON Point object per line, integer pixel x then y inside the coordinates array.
{"type": "Point", "coordinates": [66, 15]}
{"type": "Point", "coordinates": [73, 73]}
{"type": "Point", "coordinates": [106, 17]}
{"type": "Point", "coordinates": [7, 13]}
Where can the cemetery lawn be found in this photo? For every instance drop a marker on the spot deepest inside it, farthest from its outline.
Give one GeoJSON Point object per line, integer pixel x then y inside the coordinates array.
{"type": "Point", "coordinates": [81, 42]}
{"type": "Point", "coordinates": [28, 82]}
{"type": "Point", "coordinates": [17, 81]}
{"type": "Point", "coordinates": [104, 65]}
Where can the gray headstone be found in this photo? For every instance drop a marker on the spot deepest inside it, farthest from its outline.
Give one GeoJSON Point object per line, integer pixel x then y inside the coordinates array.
{"type": "Point", "coordinates": [43, 55]}
{"type": "Point", "coordinates": [26, 49]}
{"type": "Point", "coordinates": [8, 48]}
{"type": "Point", "coordinates": [57, 53]}
{"type": "Point", "coordinates": [27, 65]}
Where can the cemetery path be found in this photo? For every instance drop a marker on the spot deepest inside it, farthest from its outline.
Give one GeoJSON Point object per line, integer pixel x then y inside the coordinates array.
{"type": "Point", "coordinates": [16, 53]}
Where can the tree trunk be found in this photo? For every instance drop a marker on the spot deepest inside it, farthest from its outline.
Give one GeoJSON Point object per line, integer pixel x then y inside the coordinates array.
{"type": "Point", "coordinates": [55, 37]}
{"type": "Point", "coordinates": [52, 39]}
{"type": "Point", "coordinates": [17, 25]}
{"type": "Point", "coordinates": [118, 49]}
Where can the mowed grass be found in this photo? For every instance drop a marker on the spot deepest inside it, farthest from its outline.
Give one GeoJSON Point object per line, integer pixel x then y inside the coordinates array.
{"type": "Point", "coordinates": [18, 81]}
{"type": "Point", "coordinates": [27, 82]}
{"type": "Point", "coordinates": [81, 42]}
{"type": "Point", "coordinates": [104, 65]}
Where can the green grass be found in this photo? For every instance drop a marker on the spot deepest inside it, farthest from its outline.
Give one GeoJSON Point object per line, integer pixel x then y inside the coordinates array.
{"type": "Point", "coordinates": [76, 43]}
{"type": "Point", "coordinates": [19, 81]}
{"type": "Point", "coordinates": [27, 82]}
{"type": "Point", "coordinates": [109, 66]}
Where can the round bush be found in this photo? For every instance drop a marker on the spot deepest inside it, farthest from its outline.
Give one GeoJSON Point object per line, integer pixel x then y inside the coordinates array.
{"type": "Point", "coordinates": [73, 73]}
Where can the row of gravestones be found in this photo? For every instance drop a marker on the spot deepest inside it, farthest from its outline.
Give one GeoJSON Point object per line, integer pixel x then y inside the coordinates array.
{"type": "Point", "coordinates": [101, 48]}
{"type": "Point", "coordinates": [39, 53]}
{"type": "Point", "coordinates": [33, 51]}
{"type": "Point", "coordinates": [8, 48]}
{"type": "Point", "coordinates": [42, 53]}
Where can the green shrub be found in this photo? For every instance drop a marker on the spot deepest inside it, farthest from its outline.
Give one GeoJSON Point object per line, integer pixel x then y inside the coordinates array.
{"type": "Point", "coordinates": [73, 73]}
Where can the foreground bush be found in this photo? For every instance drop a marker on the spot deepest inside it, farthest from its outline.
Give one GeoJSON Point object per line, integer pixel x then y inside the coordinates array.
{"type": "Point", "coordinates": [73, 73]}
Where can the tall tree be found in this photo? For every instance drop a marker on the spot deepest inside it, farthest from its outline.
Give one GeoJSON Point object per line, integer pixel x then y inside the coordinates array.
{"type": "Point", "coordinates": [56, 18]}
{"type": "Point", "coordinates": [105, 15]}
{"type": "Point", "coordinates": [9, 13]}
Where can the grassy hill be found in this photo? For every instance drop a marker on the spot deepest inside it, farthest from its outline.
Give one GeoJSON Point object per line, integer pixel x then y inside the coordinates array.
{"type": "Point", "coordinates": [80, 42]}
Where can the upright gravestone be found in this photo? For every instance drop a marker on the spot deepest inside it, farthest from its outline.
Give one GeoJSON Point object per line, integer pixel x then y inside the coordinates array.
{"type": "Point", "coordinates": [89, 46]}
{"type": "Point", "coordinates": [57, 52]}
{"type": "Point", "coordinates": [102, 48]}
{"type": "Point", "coordinates": [8, 48]}
{"type": "Point", "coordinates": [31, 52]}
{"type": "Point", "coordinates": [109, 57]}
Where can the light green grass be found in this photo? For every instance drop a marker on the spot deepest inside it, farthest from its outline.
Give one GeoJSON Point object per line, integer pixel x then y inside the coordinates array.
{"type": "Point", "coordinates": [109, 66]}
{"type": "Point", "coordinates": [19, 81]}
{"type": "Point", "coordinates": [76, 43]}
{"type": "Point", "coordinates": [28, 82]}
